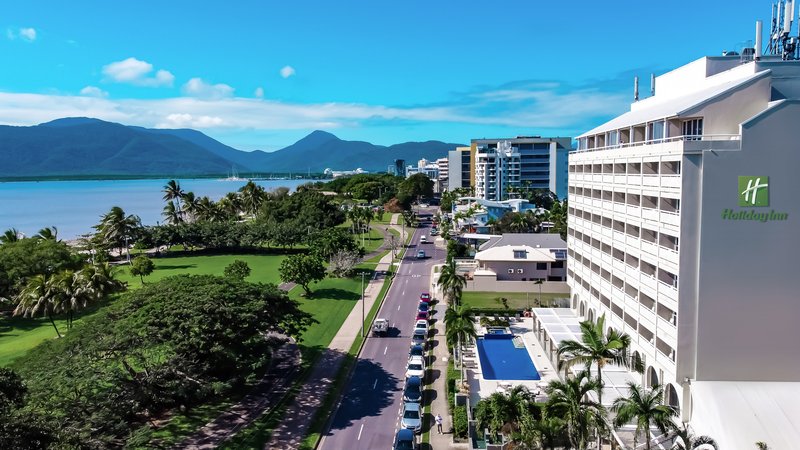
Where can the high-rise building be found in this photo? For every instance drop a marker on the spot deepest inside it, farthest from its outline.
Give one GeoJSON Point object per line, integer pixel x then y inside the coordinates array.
{"type": "Point", "coordinates": [683, 232]}
{"type": "Point", "coordinates": [533, 162]}
{"type": "Point", "coordinates": [400, 167]}
{"type": "Point", "coordinates": [461, 168]}
{"type": "Point", "coordinates": [444, 172]}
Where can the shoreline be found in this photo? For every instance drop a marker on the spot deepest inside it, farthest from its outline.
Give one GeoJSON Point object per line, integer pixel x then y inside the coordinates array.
{"type": "Point", "coordinates": [260, 176]}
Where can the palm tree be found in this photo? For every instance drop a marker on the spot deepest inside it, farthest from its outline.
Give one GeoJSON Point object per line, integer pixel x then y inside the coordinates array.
{"type": "Point", "coordinates": [48, 233]}
{"type": "Point", "coordinates": [36, 298]}
{"type": "Point", "coordinates": [172, 191]}
{"type": "Point", "coordinates": [231, 205]}
{"type": "Point", "coordinates": [595, 346]}
{"type": "Point", "coordinates": [570, 401]}
{"type": "Point", "coordinates": [68, 294]}
{"type": "Point", "coordinates": [451, 282]}
{"type": "Point", "coordinates": [171, 213]}
{"type": "Point", "coordinates": [645, 407]}
{"type": "Point", "coordinates": [459, 328]}
{"type": "Point", "coordinates": [190, 206]}
{"type": "Point", "coordinates": [504, 413]}
{"type": "Point", "coordinates": [685, 440]}
{"type": "Point", "coordinates": [206, 209]}
{"type": "Point", "coordinates": [115, 228]}
{"type": "Point", "coordinates": [252, 196]}
{"type": "Point", "coordinates": [549, 431]}
{"type": "Point", "coordinates": [98, 280]}
{"type": "Point", "coordinates": [10, 235]}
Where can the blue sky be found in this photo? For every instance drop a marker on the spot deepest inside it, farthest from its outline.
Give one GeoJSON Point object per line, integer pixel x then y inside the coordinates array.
{"type": "Point", "coordinates": [262, 74]}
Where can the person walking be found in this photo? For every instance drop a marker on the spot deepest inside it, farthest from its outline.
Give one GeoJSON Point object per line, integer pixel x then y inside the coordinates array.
{"type": "Point", "coordinates": [439, 423]}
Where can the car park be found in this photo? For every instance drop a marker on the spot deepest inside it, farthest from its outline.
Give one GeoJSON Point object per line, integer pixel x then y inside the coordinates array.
{"type": "Point", "coordinates": [413, 391]}
{"type": "Point", "coordinates": [412, 417]}
{"type": "Point", "coordinates": [405, 440]}
{"type": "Point", "coordinates": [425, 297]}
{"type": "Point", "coordinates": [416, 350]}
{"type": "Point", "coordinates": [421, 254]}
{"type": "Point", "coordinates": [419, 337]}
{"type": "Point", "coordinates": [421, 325]}
{"type": "Point", "coordinates": [415, 367]}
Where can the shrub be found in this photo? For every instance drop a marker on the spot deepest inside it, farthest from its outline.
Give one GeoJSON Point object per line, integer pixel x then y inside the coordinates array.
{"type": "Point", "coordinates": [460, 422]}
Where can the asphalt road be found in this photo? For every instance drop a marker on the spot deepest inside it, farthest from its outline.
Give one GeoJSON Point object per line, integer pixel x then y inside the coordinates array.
{"type": "Point", "coordinates": [369, 415]}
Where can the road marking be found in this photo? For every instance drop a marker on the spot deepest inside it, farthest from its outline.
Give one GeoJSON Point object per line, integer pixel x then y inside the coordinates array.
{"type": "Point", "coordinates": [360, 430]}
{"type": "Point", "coordinates": [398, 307]}
{"type": "Point", "coordinates": [374, 385]}
{"type": "Point", "coordinates": [384, 350]}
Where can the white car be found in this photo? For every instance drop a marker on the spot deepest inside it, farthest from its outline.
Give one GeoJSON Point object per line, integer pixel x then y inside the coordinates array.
{"type": "Point", "coordinates": [421, 325]}
{"type": "Point", "coordinates": [416, 367]}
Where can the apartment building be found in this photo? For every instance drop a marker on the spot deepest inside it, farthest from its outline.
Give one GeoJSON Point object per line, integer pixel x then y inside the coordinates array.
{"type": "Point", "coordinates": [461, 168]}
{"type": "Point", "coordinates": [683, 232]}
{"type": "Point", "coordinates": [501, 165]}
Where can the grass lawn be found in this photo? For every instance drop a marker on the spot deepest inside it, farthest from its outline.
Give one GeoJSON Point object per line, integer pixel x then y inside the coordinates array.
{"type": "Point", "coordinates": [263, 268]}
{"type": "Point", "coordinates": [516, 300]}
{"type": "Point", "coordinates": [19, 335]}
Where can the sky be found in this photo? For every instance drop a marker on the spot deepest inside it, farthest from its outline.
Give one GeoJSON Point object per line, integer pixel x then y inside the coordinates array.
{"type": "Point", "coordinates": [263, 74]}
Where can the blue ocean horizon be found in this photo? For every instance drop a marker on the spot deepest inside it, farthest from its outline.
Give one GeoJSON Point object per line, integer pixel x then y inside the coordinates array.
{"type": "Point", "coordinates": [75, 206]}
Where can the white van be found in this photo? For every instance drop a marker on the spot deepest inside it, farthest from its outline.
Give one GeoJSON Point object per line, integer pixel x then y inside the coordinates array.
{"type": "Point", "coordinates": [423, 240]}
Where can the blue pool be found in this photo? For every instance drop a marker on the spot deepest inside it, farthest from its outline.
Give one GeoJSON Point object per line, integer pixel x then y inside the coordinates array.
{"type": "Point", "coordinates": [501, 359]}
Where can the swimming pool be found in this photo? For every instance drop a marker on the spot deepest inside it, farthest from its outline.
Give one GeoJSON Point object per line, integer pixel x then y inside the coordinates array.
{"type": "Point", "coordinates": [501, 359]}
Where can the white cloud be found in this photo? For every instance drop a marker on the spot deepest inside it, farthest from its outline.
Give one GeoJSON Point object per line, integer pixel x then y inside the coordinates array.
{"type": "Point", "coordinates": [26, 34]}
{"type": "Point", "coordinates": [196, 87]}
{"type": "Point", "coordinates": [287, 71]}
{"type": "Point", "coordinates": [94, 91]}
{"type": "Point", "coordinates": [259, 93]}
{"type": "Point", "coordinates": [185, 120]}
{"type": "Point", "coordinates": [137, 72]}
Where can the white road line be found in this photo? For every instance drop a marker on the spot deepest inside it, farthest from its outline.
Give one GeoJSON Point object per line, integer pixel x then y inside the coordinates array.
{"type": "Point", "coordinates": [374, 385]}
{"type": "Point", "coordinates": [384, 352]}
{"type": "Point", "coordinates": [404, 292]}
{"type": "Point", "coordinates": [360, 430]}
{"type": "Point", "coordinates": [398, 307]}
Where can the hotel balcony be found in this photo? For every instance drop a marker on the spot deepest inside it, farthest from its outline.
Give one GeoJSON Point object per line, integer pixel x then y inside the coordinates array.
{"type": "Point", "coordinates": [675, 145]}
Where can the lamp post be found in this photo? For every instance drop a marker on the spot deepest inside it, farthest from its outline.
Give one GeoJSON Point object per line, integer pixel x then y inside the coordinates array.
{"type": "Point", "coordinates": [363, 316]}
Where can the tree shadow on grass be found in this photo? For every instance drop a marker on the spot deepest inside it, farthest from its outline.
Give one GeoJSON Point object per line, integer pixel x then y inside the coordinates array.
{"type": "Point", "coordinates": [334, 294]}
{"type": "Point", "coordinates": [177, 267]}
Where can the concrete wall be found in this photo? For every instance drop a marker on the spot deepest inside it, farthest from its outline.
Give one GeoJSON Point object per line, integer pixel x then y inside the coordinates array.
{"type": "Point", "coordinates": [748, 299]}
{"type": "Point", "coordinates": [484, 284]}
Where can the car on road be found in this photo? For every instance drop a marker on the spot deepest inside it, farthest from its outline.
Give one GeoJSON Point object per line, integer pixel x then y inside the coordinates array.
{"type": "Point", "coordinates": [422, 315]}
{"type": "Point", "coordinates": [405, 440]}
{"type": "Point", "coordinates": [421, 325]}
{"type": "Point", "coordinates": [415, 367]}
{"type": "Point", "coordinates": [419, 337]}
{"type": "Point", "coordinates": [412, 417]}
{"type": "Point", "coordinates": [380, 327]}
{"type": "Point", "coordinates": [423, 239]}
{"type": "Point", "coordinates": [416, 350]}
{"type": "Point", "coordinates": [413, 391]}
{"type": "Point", "coordinates": [423, 307]}
{"type": "Point", "coordinates": [434, 232]}
{"type": "Point", "coordinates": [421, 254]}
{"type": "Point", "coordinates": [425, 297]}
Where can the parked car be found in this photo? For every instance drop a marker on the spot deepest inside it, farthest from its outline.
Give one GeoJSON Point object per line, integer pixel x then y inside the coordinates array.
{"type": "Point", "coordinates": [421, 254]}
{"type": "Point", "coordinates": [416, 350]}
{"type": "Point", "coordinates": [434, 232]}
{"type": "Point", "coordinates": [412, 417]}
{"type": "Point", "coordinates": [415, 367]}
{"type": "Point", "coordinates": [423, 239]}
{"type": "Point", "coordinates": [413, 391]}
{"type": "Point", "coordinates": [405, 440]}
{"type": "Point", "coordinates": [423, 307]}
{"type": "Point", "coordinates": [422, 315]}
{"type": "Point", "coordinates": [419, 337]}
{"type": "Point", "coordinates": [421, 325]}
{"type": "Point", "coordinates": [425, 297]}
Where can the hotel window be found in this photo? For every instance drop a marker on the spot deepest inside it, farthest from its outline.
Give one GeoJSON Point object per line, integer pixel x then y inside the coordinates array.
{"type": "Point", "coordinates": [613, 138]}
{"type": "Point", "coordinates": [510, 270]}
{"type": "Point", "coordinates": [519, 270]}
{"type": "Point", "coordinates": [520, 254]}
{"type": "Point", "coordinates": [541, 266]}
{"type": "Point", "coordinates": [693, 127]}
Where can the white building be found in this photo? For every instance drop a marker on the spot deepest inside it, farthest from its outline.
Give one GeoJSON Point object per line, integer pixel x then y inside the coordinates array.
{"type": "Point", "coordinates": [683, 231]}
{"type": "Point", "coordinates": [534, 162]}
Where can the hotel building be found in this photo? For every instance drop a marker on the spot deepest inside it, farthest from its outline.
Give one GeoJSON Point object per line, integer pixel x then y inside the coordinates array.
{"type": "Point", "coordinates": [683, 231]}
{"type": "Point", "coordinates": [461, 168]}
{"type": "Point", "coordinates": [534, 162]}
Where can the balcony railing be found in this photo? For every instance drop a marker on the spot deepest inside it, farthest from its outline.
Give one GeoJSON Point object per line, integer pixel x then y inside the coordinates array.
{"type": "Point", "coordinates": [705, 137]}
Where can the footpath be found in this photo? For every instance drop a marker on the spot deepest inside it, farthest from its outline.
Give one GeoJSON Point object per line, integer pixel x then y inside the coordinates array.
{"type": "Point", "coordinates": [298, 417]}
{"type": "Point", "coordinates": [439, 374]}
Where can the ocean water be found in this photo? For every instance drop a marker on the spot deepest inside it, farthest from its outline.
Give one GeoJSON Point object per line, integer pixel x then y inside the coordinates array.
{"type": "Point", "coordinates": [74, 206]}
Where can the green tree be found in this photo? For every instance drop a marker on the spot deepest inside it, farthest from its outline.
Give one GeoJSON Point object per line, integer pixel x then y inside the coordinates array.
{"type": "Point", "coordinates": [252, 197]}
{"type": "Point", "coordinates": [570, 401]}
{"type": "Point", "coordinates": [645, 407]}
{"type": "Point", "coordinates": [9, 236]}
{"type": "Point", "coordinates": [27, 257]}
{"type": "Point", "coordinates": [459, 328]}
{"type": "Point", "coordinates": [171, 213]}
{"type": "Point", "coordinates": [503, 412]}
{"type": "Point", "coordinates": [237, 269]}
{"type": "Point", "coordinates": [303, 270]}
{"type": "Point", "coordinates": [48, 233]}
{"type": "Point", "coordinates": [597, 346]}
{"type": "Point", "coordinates": [190, 207]}
{"type": "Point", "coordinates": [37, 297]}
{"type": "Point", "coordinates": [451, 282]}
{"type": "Point", "coordinates": [19, 430]}
{"type": "Point", "coordinates": [413, 188]}
{"type": "Point", "coordinates": [116, 229]}
{"type": "Point", "coordinates": [141, 267]}
{"type": "Point", "coordinates": [686, 440]}
{"type": "Point", "coordinates": [172, 191]}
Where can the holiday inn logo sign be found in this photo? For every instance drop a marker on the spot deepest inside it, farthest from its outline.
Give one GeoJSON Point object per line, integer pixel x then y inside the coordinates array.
{"type": "Point", "coordinates": [754, 192]}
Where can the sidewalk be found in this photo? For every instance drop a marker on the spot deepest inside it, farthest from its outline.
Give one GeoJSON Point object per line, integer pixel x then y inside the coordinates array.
{"type": "Point", "coordinates": [297, 419]}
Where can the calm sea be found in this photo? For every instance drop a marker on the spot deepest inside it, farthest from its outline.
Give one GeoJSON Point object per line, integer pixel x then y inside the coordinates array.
{"type": "Point", "coordinates": [74, 206]}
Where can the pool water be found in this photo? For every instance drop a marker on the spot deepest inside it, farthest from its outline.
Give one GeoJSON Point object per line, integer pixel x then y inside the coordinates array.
{"type": "Point", "coordinates": [501, 359]}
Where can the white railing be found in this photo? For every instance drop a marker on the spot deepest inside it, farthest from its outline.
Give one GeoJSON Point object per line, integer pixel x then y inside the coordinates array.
{"type": "Point", "coordinates": [705, 137]}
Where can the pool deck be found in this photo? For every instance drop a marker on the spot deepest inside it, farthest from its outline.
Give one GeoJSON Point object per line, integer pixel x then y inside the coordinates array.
{"type": "Point", "coordinates": [480, 388]}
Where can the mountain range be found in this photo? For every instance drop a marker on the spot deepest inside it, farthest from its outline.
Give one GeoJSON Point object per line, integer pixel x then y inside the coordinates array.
{"type": "Point", "coordinates": [80, 146]}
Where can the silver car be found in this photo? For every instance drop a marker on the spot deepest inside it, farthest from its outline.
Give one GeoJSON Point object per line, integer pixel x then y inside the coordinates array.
{"type": "Point", "coordinates": [412, 417]}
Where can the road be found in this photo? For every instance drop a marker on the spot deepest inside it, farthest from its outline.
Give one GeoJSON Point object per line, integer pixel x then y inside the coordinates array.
{"type": "Point", "coordinates": [369, 415]}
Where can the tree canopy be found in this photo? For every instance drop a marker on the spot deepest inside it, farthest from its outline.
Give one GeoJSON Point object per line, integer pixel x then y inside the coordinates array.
{"type": "Point", "coordinates": [303, 270]}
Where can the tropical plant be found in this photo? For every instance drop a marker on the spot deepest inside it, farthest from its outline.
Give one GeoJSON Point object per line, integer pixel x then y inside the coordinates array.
{"type": "Point", "coordinates": [252, 197]}
{"type": "Point", "coordinates": [116, 228]}
{"type": "Point", "coordinates": [684, 439]}
{"type": "Point", "coordinates": [303, 270]}
{"type": "Point", "coordinates": [35, 298]}
{"type": "Point", "coordinates": [237, 269]}
{"type": "Point", "coordinates": [172, 191]}
{"type": "Point", "coordinates": [99, 281]}
{"type": "Point", "coordinates": [570, 400]}
{"type": "Point", "coordinates": [459, 327]}
{"type": "Point", "coordinates": [596, 346]}
{"type": "Point", "coordinates": [645, 407]}
{"type": "Point", "coordinates": [503, 412]}
{"type": "Point", "coordinates": [171, 213]}
{"type": "Point", "coordinates": [48, 233]}
{"type": "Point", "coordinates": [9, 236]}
{"type": "Point", "coordinates": [760, 445]}
{"type": "Point", "coordinates": [141, 267]}
{"type": "Point", "coordinates": [190, 207]}
{"type": "Point", "coordinates": [451, 282]}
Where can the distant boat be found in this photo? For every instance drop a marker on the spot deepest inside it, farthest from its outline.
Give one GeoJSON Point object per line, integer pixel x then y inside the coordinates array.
{"type": "Point", "coordinates": [233, 175]}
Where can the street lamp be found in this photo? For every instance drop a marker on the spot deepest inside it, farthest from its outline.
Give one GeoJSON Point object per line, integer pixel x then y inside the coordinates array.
{"type": "Point", "coordinates": [363, 315]}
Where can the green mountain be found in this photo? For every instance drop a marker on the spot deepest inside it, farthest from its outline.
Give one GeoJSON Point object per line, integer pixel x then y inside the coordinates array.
{"type": "Point", "coordinates": [84, 147]}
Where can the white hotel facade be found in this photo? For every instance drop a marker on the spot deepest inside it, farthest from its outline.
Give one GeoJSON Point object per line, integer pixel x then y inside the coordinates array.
{"type": "Point", "coordinates": [705, 280]}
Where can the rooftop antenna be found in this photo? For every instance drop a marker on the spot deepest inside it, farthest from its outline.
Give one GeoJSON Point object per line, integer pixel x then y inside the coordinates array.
{"type": "Point", "coordinates": [652, 84]}
{"type": "Point", "coordinates": [781, 43]}
{"type": "Point", "coordinates": [636, 89]}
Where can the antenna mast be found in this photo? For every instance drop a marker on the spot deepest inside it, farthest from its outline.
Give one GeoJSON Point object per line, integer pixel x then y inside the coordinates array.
{"type": "Point", "coordinates": [781, 43]}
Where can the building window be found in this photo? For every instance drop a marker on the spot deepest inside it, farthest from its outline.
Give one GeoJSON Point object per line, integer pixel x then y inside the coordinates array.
{"type": "Point", "coordinates": [510, 270]}
{"type": "Point", "coordinates": [520, 254]}
{"type": "Point", "coordinates": [519, 270]}
{"type": "Point", "coordinates": [557, 265]}
{"type": "Point", "coordinates": [541, 266]}
{"type": "Point", "coordinates": [693, 127]}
